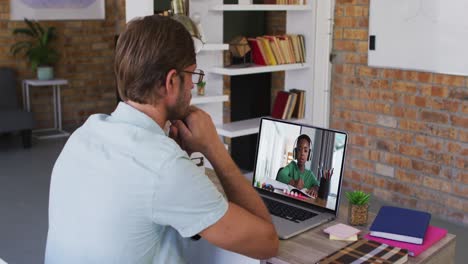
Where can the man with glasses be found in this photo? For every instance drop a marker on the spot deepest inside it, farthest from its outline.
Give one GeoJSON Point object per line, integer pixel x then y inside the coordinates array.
{"type": "Point", "coordinates": [122, 191]}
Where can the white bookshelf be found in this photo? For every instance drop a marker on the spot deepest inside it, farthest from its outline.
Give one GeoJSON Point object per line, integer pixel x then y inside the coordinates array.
{"type": "Point", "coordinates": [209, 97]}
{"type": "Point", "coordinates": [244, 127]}
{"type": "Point", "coordinates": [214, 47]}
{"type": "Point", "coordinates": [231, 71]}
{"type": "Point", "coordinates": [239, 128]}
{"type": "Point", "coordinates": [261, 8]}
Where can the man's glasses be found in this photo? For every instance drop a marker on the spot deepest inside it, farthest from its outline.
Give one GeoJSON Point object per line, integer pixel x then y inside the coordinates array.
{"type": "Point", "coordinates": [197, 76]}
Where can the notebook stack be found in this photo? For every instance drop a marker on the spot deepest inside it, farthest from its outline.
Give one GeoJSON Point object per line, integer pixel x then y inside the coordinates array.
{"type": "Point", "coordinates": [342, 232]}
{"type": "Point", "coordinates": [405, 228]}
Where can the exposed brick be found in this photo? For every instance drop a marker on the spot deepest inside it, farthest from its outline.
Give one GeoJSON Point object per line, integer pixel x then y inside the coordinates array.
{"type": "Point", "coordinates": [437, 184]}
{"type": "Point", "coordinates": [404, 201]}
{"type": "Point", "coordinates": [404, 87]}
{"type": "Point", "coordinates": [384, 170]}
{"type": "Point", "coordinates": [435, 117]}
{"type": "Point", "coordinates": [368, 71]}
{"type": "Point", "coordinates": [385, 145]}
{"type": "Point", "coordinates": [456, 203]}
{"type": "Point", "coordinates": [345, 69]}
{"type": "Point", "coordinates": [345, 45]}
{"type": "Point", "coordinates": [411, 150]}
{"type": "Point", "coordinates": [363, 165]}
{"type": "Point", "coordinates": [465, 108]}
{"type": "Point", "coordinates": [357, 11]}
{"type": "Point", "coordinates": [459, 121]}
{"type": "Point", "coordinates": [351, 22]}
{"type": "Point", "coordinates": [463, 136]}
{"type": "Point", "coordinates": [415, 100]}
{"type": "Point", "coordinates": [397, 160]}
{"type": "Point", "coordinates": [379, 84]}
{"type": "Point", "coordinates": [376, 107]}
{"type": "Point", "coordinates": [382, 194]}
{"type": "Point", "coordinates": [461, 162]}
{"type": "Point", "coordinates": [443, 104]}
{"type": "Point", "coordinates": [449, 80]}
{"type": "Point", "coordinates": [355, 34]}
{"type": "Point", "coordinates": [409, 177]}
{"type": "Point", "coordinates": [354, 127]}
{"type": "Point", "coordinates": [362, 141]}
{"type": "Point", "coordinates": [339, 10]}
{"type": "Point", "coordinates": [461, 190]}
{"type": "Point", "coordinates": [440, 158]}
{"type": "Point", "coordinates": [431, 90]}
{"type": "Point", "coordinates": [426, 167]}
{"type": "Point", "coordinates": [387, 121]}
{"type": "Point", "coordinates": [426, 194]}
{"type": "Point", "coordinates": [405, 112]}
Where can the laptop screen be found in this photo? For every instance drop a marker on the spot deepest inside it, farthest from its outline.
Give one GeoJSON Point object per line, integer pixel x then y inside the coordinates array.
{"type": "Point", "coordinates": [301, 162]}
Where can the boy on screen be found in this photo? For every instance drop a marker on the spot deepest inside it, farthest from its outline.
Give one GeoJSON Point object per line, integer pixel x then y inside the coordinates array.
{"type": "Point", "coordinates": [295, 173]}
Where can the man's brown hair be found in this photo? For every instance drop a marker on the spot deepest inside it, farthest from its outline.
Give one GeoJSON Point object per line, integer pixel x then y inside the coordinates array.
{"type": "Point", "coordinates": [146, 51]}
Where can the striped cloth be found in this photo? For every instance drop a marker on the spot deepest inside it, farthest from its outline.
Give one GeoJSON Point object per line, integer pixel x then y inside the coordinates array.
{"type": "Point", "coordinates": [366, 251]}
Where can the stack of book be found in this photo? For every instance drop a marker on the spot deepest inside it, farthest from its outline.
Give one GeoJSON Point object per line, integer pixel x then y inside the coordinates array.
{"type": "Point", "coordinates": [274, 50]}
{"type": "Point", "coordinates": [342, 232]}
{"type": "Point", "coordinates": [289, 105]}
{"type": "Point", "coordinates": [405, 228]}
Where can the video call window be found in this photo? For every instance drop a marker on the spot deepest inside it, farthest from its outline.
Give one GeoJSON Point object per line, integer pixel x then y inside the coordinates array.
{"type": "Point", "coordinates": [302, 162]}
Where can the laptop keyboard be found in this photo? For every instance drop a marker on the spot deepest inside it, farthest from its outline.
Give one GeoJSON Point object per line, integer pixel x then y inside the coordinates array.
{"type": "Point", "coordinates": [287, 212]}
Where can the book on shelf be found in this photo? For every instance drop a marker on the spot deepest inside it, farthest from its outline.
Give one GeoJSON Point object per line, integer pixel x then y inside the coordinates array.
{"type": "Point", "coordinates": [289, 105]}
{"type": "Point", "coordinates": [366, 251]}
{"type": "Point", "coordinates": [400, 224]}
{"type": "Point", "coordinates": [298, 111]}
{"type": "Point", "coordinates": [257, 55]}
{"type": "Point", "coordinates": [433, 234]}
{"type": "Point", "coordinates": [279, 104]}
{"type": "Point", "coordinates": [274, 50]}
{"type": "Point", "coordinates": [267, 50]}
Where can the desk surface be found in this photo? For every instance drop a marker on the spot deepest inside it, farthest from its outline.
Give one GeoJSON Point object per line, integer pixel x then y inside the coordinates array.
{"type": "Point", "coordinates": [312, 245]}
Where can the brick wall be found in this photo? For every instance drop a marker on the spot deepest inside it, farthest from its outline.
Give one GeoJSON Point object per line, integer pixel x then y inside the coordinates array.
{"type": "Point", "coordinates": [408, 130]}
{"type": "Point", "coordinates": [86, 49]}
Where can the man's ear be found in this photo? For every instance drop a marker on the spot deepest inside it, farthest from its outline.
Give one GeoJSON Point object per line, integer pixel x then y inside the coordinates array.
{"type": "Point", "coordinates": [171, 77]}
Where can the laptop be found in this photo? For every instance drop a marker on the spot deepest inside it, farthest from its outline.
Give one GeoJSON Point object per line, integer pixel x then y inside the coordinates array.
{"type": "Point", "coordinates": [298, 173]}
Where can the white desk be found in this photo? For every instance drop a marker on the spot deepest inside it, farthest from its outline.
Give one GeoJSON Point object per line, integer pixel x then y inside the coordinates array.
{"type": "Point", "coordinates": [56, 131]}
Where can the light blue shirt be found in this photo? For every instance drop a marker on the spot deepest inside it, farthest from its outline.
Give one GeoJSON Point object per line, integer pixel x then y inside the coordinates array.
{"type": "Point", "coordinates": [123, 192]}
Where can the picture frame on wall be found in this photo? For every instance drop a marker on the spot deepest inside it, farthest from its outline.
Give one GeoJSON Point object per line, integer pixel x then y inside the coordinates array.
{"type": "Point", "coordinates": [57, 9]}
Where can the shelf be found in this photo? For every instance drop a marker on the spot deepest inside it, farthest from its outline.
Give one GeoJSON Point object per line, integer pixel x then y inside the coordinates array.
{"type": "Point", "coordinates": [243, 128]}
{"type": "Point", "coordinates": [214, 47]}
{"type": "Point", "coordinates": [257, 69]}
{"type": "Point", "coordinates": [239, 128]}
{"type": "Point", "coordinates": [208, 98]}
{"type": "Point", "coordinates": [261, 8]}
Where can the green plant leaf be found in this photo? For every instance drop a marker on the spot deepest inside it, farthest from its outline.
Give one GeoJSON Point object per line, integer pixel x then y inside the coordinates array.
{"type": "Point", "coordinates": [37, 50]}
{"type": "Point", "coordinates": [20, 46]}
{"type": "Point", "coordinates": [32, 27]}
{"type": "Point", "coordinates": [24, 31]}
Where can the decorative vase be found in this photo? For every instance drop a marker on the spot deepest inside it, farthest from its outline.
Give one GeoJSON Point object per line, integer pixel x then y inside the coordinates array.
{"type": "Point", "coordinates": [357, 214]}
{"type": "Point", "coordinates": [45, 73]}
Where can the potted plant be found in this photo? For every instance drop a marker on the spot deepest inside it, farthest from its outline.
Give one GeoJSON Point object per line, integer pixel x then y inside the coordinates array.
{"type": "Point", "coordinates": [37, 48]}
{"type": "Point", "coordinates": [358, 207]}
{"type": "Point", "coordinates": [201, 88]}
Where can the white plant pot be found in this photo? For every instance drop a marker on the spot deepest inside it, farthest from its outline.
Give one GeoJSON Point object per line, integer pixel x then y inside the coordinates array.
{"type": "Point", "coordinates": [45, 73]}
